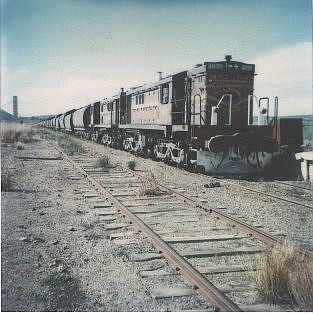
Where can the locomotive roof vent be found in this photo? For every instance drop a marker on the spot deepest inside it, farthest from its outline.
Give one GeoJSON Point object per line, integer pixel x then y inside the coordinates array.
{"type": "Point", "coordinates": [228, 58]}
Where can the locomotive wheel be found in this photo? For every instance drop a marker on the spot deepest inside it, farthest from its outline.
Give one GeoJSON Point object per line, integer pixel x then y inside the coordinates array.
{"type": "Point", "coordinates": [154, 154]}
{"type": "Point", "coordinates": [200, 169]}
{"type": "Point", "coordinates": [167, 160]}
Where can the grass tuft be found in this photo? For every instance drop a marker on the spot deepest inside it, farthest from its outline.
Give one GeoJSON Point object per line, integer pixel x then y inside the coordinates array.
{"type": "Point", "coordinates": [69, 145]}
{"type": "Point", "coordinates": [301, 285]}
{"type": "Point", "coordinates": [103, 162]}
{"type": "Point", "coordinates": [284, 277]}
{"type": "Point", "coordinates": [48, 134]}
{"type": "Point", "coordinates": [131, 164]}
{"type": "Point", "coordinates": [149, 187]}
{"type": "Point", "coordinates": [273, 274]}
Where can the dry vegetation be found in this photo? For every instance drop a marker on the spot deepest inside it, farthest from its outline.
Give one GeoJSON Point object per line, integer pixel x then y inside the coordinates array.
{"type": "Point", "coordinates": [149, 187]}
{"type": "Point", "coordinates": [284, 277]}
{"type": "Point", "coordinates": [103, 162]}
{"type": "Point", "coordinates": [70, 146]}
{"type": "Point", "coordinates": [65, 141]}
{"type": "Point", "coordinates": [6, 176]}
{"type": "Point", "coordinates": [131, 164]}
{"type": "Point", "coordinates": [301, 285]}
{"type": "Point", "coordinates": [13, 133]}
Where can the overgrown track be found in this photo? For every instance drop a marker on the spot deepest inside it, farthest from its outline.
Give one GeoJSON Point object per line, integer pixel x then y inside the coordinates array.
{"type": "Point", "coordinates": [146, 214]}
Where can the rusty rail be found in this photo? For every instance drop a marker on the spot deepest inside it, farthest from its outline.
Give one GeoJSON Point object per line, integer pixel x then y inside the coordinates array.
{"type": "Point", "coordinates": [272, 195]}
{"type": "Point", "coordinates": [294, 186]}
{"type": "Point", "coordinates": [250, 230]}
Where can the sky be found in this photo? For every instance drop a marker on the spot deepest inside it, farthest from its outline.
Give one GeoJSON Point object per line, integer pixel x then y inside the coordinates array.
{"type": "Point", "coordinates": [62, 54]}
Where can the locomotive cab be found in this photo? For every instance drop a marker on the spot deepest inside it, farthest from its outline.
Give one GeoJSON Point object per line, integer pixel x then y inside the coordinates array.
{"type": "Point", "coordinates": [221, 119]}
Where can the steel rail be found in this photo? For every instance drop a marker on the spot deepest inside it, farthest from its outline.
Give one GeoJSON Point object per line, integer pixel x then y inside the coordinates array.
{"type": "Point", "coordinates": [200, 283]}
{"type": "Point", "coordinates": [263, 193]}
{"type": "Point", "coordinates": [294, 186]}
{"type": "Point", "coordinates": [272, 195]}
{"type": "Point", "coordinates": [250, 230]}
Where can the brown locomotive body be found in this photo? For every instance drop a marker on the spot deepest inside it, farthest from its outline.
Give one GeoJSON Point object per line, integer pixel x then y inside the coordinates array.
{"type": "Point", "coordinates": [202, 118]}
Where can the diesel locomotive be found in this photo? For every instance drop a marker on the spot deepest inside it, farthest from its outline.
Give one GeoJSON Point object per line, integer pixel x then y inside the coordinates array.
{"type": "Point", "coordinates": [206, 118]}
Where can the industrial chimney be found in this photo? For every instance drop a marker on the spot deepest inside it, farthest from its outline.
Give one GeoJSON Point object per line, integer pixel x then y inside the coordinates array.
{"type": "Point", "coordinates": [15, 113]}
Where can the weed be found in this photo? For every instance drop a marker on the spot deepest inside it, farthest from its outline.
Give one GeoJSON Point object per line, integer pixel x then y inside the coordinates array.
{"type": "Point", "coordinates": [273, 274]}
{"type": "Point", "coordinates": [149, 187]}
{"type": "Point", "coordinates": [66, 142]}
{"type": "Point", "coordinates": [48, 134]}
{"type": "Point", "coordinates": [69, 145]}
{"type": "Point", "coordinates": [131, 164]}
{"type": "Point", "coordinates": [103, 162]}
{"type": "Point", "coordinates": [284, 277]}
{"type": "Point", "coordinates": [301, 285]}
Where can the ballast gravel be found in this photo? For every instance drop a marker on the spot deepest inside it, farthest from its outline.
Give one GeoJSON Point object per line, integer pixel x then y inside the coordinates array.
{"type": "Point", "coordinates": [57, 254]}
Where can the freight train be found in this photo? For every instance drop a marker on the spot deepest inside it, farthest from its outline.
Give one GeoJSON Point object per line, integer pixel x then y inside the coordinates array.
{"type": "Point", "coordinates": [206, 118]}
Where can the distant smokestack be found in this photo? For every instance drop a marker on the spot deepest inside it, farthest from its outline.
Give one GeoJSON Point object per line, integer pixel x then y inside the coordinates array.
{"type": "Point", "coordinates": [160, 75]}
{"type": "Point", "coordinates": [15, 113]}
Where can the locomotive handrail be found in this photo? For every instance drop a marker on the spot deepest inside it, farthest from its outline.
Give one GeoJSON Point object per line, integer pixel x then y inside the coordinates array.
{"type": "Point", "coordinates": [276, 107]}
{"type": "Point", "coordinates": [249, 107]}
{"type": "Point", "coordinates": [230, 106]}
{"type": "Point", "coordinates": [276, 115]}
{"type": "Point", "coordinates": [200, 111]}
{"type": "Point", "coordinates": [267, 107]}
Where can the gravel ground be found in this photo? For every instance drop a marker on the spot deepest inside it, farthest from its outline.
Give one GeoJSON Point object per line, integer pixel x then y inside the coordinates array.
{"type": "Point", "coordinates": [56, 256]}
{"type": "Point", "coordinates": [272, 215]}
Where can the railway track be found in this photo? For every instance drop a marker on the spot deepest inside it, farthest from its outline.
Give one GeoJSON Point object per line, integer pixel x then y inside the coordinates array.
{"type": "Point", "coordinates": [271, 195]}
{"type": "Point", "coordinates": [297, 185]}
{"type": "Point", "coordinates": [291, 191]}
{"type": "Point", "coordinates": [197, 240]}
{"type": "Point", "coordinates": [290, 198]}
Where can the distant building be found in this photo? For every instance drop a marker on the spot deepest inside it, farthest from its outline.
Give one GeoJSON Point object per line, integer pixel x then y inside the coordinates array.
{"type": "Point", "coordinates": [7, 117]}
